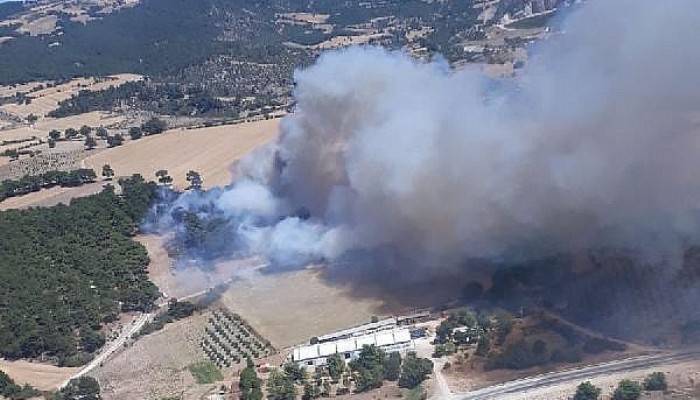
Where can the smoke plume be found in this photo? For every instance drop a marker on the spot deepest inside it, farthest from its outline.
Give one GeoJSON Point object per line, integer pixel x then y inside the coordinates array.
{"type": "Point", "coordinates": [596, 143]}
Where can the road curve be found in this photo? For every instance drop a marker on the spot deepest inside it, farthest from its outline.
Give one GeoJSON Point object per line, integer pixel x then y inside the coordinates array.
{"type": "Point", "coordinates": [575, 375]}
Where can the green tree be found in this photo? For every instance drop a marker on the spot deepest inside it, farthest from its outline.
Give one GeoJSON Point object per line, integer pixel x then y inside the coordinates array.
{"type": "Point", "coordinates": [627, 390]}
{"type": "Point", "coordinates": [70, 133]}
{"type": "Point", "coordinates": [656, 381]}
{"type": "Point", "coordinates": [280, 386]}
{"type": "Point", "coordinates": [414, 371]}
{"type": "Point", "coordinates": [163, 177]}
{"type": "Point", "coordinates": [54, 134]}
{"type": "Point", "coordinates": [249, 383]}
{"type": "Point", "coordinates": [294, 371]}
{"type": "Point", "coordinates": [309, 392]}
{"type": "Point", "coordinates": [195, 180]}
{"type": "Point", "coordinates": [587, 391]}
{"type": "Point", "coordinates": [107, 172]}
{"type": "Point", "coordinates": [101, 132]}
{"type": "Point", "coordinates": [90, 142]}
{"type": "Point", "coordinates": [114, 141]}
{"type": "Point", "coordinates": [392, 367]}
{"type": "Point", "coordinates": [154, 126]}
{"type": "Point", "coordinates": [336, 366]}
{"type": "Point", "coordinates": [91, 340]}
{"type": "Point", "coordinates": [135, 132]}
{"type": "Point", "coordinates": [85, 130]}
{"type": "Point", "coordinates": [369, 367]}
{"type": "Point", "coordinates": [31, 118]}
{"type": "Point", "coordinates": [83, 388]}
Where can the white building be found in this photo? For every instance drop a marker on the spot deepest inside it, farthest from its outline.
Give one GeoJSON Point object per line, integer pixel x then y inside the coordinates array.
{"type": "Point", "coordinates": [394, 340]}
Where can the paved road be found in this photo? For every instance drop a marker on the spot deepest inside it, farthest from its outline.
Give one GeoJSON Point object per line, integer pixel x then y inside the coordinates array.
{"type": "Point", "coordinates": [576, 375]}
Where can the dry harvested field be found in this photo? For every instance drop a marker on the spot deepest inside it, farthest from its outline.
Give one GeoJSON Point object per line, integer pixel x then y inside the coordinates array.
{"type": "Point", "coordinates": [289, 308]}
{"type": "Point", "coordinates": [50, 197]}
{"type": "Point", "coordinates": [42, 128]}
{"type": "Point", "coordinates": [47, 99]}
{"type": "Point", "coordinates": [41, 376]}
{"type": "Point", "coordinates": [286, 308]}
{"type": "Point", "coordinates": [155, 366]}
{"type": "Point", "coordinates": [209, 151]}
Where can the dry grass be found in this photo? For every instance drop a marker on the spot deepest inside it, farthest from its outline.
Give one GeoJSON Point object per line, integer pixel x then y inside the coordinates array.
{"type": "Point", "coordinates": [682, 379]}
{"type": "Point", "coordinates": [41, 376]}
{"type": "Point", "coordinates": [47, 99]}
{"type": "Point", "coordinates": [290, 308]}
{"type": "Point", "coordinates": [210, 151]}
{"type": "Point", "coordinates": [156, 366]}
{"type": "Point", "coordinates": [50, 197]}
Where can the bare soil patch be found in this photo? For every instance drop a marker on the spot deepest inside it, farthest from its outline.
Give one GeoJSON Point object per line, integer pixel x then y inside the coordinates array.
{"type": "Point", "coordinates": [41, 376]}
{"type": "Point", "coordinates": [209, 151]}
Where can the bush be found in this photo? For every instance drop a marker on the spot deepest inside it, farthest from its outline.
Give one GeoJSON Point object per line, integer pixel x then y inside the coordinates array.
{"type": "Point", "coordinates": [627, 390]}
{"type": "Point", "coordinates": [83, 388]}
{"type": "Point", "coordinates": [205, 372]}
{"type": "Point", "coordinates": [414, 371]}
{"type": "Point", "coordinates": [587, 391]}
{"type": "Point", "coordinates": [656, 381]}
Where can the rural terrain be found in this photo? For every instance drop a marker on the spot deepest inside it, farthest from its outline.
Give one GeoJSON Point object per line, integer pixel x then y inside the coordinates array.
{"type": "Point", "coordinates": [110, 110]}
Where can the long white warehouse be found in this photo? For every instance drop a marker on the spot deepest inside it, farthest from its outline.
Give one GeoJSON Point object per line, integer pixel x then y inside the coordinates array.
{"type": "Point", "coordinates": [394, 340]}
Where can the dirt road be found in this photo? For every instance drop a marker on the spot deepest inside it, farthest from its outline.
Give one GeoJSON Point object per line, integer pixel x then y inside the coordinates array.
{"type": "Point", "coordinates": [506, 390]}
{"type": "Point", "coordinates": [113, 346]}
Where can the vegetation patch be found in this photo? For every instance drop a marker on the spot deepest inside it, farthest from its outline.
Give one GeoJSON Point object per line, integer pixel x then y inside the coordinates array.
{"type": "Point", "coordinates": [205, 372]}
{"type": "Point", "coordinates": [65, 270]}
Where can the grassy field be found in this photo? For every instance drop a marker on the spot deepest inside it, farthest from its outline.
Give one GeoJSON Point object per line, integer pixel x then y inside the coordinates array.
{"type": "Point", "coordinates": [205, 372]}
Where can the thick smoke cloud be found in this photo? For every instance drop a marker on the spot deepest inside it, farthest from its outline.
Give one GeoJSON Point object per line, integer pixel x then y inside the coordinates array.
{"type": "Point", "coordinates": [596, 143]}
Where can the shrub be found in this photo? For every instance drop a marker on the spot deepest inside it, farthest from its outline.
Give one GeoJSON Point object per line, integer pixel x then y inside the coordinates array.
{"type": "Point", "coordinates": [587, 391]}
{"type": "Point", "coordinates": [627, 390]}
{"type": "Point", "coordinates": [656, 381]}
{"type": "Point", "coordinates": [205, 372]}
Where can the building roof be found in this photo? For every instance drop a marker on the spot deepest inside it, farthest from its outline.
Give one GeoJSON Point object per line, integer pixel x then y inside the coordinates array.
{"type": "Point", "coordinates": [380, 338]}
{"type": "Point", "coordinates": [359, 330]}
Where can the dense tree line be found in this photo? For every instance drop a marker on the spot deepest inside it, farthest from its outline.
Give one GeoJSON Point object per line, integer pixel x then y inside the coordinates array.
{"type": "Point", "coordinates": [160, 98]}
{"type": "Point", "coordinates": [157, 36]}
{"type": "Point", "coordinates": [65, 270]}
{"type": "Point", "coordinates": [34, 183]}
{"type": "Point", "coordinates": [176, 310]}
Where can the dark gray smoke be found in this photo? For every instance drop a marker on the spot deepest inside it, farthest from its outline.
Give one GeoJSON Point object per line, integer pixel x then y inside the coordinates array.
{"type": "Point", "coordinates": [597, 143]}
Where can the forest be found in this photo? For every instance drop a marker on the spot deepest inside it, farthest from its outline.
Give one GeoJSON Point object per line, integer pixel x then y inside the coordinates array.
{"type": "Point", "coordinates": [67, 270]}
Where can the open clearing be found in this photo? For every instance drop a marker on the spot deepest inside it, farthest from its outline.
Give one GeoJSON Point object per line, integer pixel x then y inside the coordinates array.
{"type": "Point", "coordinates": [47, 99]}
{"type": "Point", "coordinates": [50, 197]}
{"type": "Point", "coordinates": [683, 380]}
{"type": "Point", "coordinates": [286, 308]}
{"type": "Point", "coordinates": [289, 308]}
{"type": "Point", "coordinates": [155, 366]}
{"type": "Point", "coordinates": [41, 376]}
{"type": "Point", "coordinates": [209, 151]}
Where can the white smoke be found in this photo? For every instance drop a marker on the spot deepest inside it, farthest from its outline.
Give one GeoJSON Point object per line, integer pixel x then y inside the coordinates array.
{"type": "Point", "coordinates": [596, 144]}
